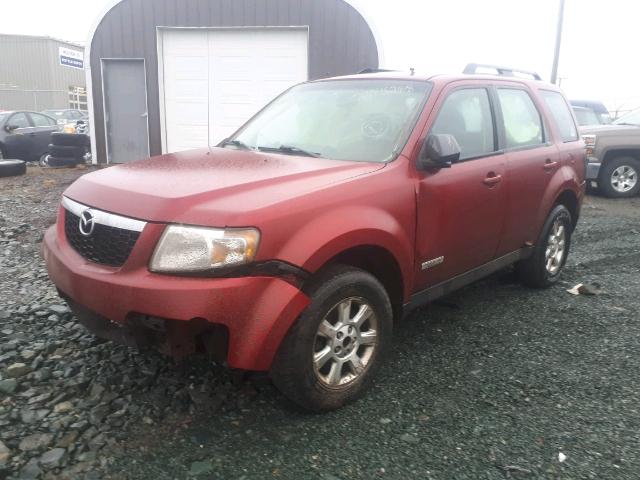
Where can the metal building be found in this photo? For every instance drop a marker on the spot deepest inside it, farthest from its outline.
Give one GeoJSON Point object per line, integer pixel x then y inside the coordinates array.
{"type": "Point", "coordinates": [39, 73]}
{"type": "Point", "coordinates": [171, 75]}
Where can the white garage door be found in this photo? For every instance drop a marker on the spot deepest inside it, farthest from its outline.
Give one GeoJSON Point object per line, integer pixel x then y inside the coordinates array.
{"type": "Point", "coordinates": [215, 80]}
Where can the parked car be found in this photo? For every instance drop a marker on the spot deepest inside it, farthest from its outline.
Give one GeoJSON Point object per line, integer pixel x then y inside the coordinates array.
{"type": "Point", "coordinates": [294, 245]}
{"type": "Point", "coordinates": [67, 115]}
{"type": "Point", "coordinates": [601, 111]}
{"type": "Point", "coordinates": [613, 155]}
{"type": "Point", "coordinates": [586, 117]}
{"type": "Point", "coordinates": [25, 135]}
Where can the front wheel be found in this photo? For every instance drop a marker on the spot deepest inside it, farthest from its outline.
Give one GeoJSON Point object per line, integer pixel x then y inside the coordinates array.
{"type": "Point", "coordinates": [619, 178]}
{"type": "Point", "coordinates": [330, 355]}
{"type": "Point", "coordinates": [543, 268]}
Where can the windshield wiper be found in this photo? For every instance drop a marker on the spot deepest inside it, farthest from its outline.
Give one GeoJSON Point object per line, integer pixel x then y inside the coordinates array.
{"type": "Point", "coordinates": [288, 149]}
{"type": "Point", "coordinates": [236, 143]}
{"type": "Point", "coordinates": [628, 124]}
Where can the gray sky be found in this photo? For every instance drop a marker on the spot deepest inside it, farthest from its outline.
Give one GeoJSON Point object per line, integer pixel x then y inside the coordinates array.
{"type": "Point", "coordinates": [598, 59]}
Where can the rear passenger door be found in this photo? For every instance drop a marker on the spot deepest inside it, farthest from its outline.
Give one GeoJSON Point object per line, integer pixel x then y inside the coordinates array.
{"type": "Point", "coordinates": [461, 209]}
{"type": "Point", "coordinates": [531, 158]}
{"type": "Point", "coordinates": [43, 127]}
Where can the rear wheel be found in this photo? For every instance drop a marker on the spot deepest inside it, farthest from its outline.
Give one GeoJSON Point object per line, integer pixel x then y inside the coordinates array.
{"type": "Point", "coordinates": [543, 268]}
{"type": "Point", "coordinates": [330, 355]}
{"type": "Point", "coordinates": [619, 177]}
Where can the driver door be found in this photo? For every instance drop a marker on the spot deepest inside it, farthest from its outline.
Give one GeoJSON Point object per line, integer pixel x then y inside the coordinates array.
{"type": "Point", "coordinates": [461, 209]}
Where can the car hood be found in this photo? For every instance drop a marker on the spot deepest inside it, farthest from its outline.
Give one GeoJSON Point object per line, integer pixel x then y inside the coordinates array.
{"type": "Point", "coordinates": [215, 187]}
{"type": "Point", "coordinates": [610, 130]}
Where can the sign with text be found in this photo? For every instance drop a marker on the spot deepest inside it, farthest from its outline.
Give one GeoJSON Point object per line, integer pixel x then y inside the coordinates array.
{"type": "Point", "coordinates": [71, 58]}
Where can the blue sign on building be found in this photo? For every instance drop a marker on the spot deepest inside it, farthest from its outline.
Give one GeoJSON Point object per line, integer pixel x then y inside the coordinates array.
{"type": "Point", "coordinates": [71, 58]}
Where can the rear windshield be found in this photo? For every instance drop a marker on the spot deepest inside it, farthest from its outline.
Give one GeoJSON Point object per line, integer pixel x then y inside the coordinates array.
{"type": "Point", "coordinates": [55, 113]}
{"type": "Point", "coordinates": [586, 116]}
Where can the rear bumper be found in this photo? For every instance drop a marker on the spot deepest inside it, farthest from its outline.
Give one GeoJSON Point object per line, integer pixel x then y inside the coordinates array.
{"type": "Point", "coordinates": [257, 311]}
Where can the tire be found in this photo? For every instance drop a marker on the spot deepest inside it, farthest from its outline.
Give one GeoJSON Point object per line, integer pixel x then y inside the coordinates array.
{"type": "Point", "coordinates": [12, 168]}
{"type": "Point", "coordinates": [536, 271]}
{"type": "Point", "coordinates": [309, 383]}
{"type": "Point", "coordinates": [69, 139]}
{"type": "Point", "coordinates": [66, 151]}
{"type": "Point", "coordinates": [610, 183]}
{"type": "Point", "coordinates": [62, 161]}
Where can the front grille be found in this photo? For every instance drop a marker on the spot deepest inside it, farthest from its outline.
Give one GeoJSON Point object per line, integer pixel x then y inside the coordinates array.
{"type": "Point", "coordinates": [106, 245]}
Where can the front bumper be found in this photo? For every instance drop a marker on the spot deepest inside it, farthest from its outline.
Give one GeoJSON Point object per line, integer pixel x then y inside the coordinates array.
{"type": "Point", "coordinates": [593, 170]}
{"type": "Point", "coordinates": [257, 311]}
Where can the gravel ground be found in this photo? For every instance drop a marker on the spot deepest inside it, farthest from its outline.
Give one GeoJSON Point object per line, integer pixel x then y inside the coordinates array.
{"type": "Point", "coordinates": [495, 381]}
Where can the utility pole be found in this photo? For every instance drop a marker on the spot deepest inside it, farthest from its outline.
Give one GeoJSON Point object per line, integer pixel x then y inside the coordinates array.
{"type": "Point", "coordinates": [556, 56]}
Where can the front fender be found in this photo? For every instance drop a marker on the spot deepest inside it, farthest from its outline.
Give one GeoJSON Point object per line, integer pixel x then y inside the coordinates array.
{"type": "Point", "coordinates": [348, 227]}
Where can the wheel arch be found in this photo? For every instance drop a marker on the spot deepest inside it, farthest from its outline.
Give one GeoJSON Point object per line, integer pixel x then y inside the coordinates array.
{"type": "Point", "coordinates": [616, 152]}
{"type": "Point", "coordinates": [379, 262]}
{"type": "Point", "coordinates": [570, 200]}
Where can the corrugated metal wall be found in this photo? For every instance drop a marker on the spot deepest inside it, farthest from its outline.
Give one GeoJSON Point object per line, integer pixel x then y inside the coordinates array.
{"type": "Point", "coordinates": [340, 41]}
{"type": "Point", "coordinates": [31, 77]}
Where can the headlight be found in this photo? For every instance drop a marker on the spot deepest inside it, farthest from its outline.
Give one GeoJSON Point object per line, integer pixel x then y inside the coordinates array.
{"type": "Point", "coordinates": [589, 140]}
{"type": "Point", "coordinates": [198, 249]}
{"type": "Point", "coordinates": [590, 143]}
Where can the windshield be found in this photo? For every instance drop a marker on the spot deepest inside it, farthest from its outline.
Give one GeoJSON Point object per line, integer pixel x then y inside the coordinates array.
{"type": "Point", "coordinates": [632, 118]}
{"type": "Point", "coordinates": [3, 117]}
{"type": "Point", "coordinates": [357, 120]}
{"type": "Point", "coordinates": [586, 116]}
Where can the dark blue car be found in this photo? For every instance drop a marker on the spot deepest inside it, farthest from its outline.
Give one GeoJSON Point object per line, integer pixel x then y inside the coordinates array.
{"type": "Point", "coordinates": [25, 135]}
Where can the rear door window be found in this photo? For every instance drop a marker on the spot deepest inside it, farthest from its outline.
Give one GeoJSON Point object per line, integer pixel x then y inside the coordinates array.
{"type": "Point", "coordinates": [522, 121]}
{"type": "Point", "coordinates": [466, 114]}
{"type": "Point", "coordinates": [561, 115]}
{"type": "Point", "coordinates": [42, 120]}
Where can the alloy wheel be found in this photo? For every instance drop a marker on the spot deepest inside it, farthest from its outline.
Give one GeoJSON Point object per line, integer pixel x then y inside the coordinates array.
{"type": "Point", "coordinates": [556, 246]}
{"type": "Point", "coordinates": [624, 178]}
{"type": "Point", "coordinates": [345, 342]}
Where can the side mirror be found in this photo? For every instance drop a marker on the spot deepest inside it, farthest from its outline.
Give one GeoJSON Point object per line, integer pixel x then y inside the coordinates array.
{"type": "Point", "coordinates": [10, 128]}
{"type": "Point", "coordinates": [439, 151]}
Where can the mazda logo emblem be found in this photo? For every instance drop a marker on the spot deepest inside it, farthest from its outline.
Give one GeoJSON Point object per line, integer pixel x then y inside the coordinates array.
{"type": "Point", "coordinates": [87, 223]}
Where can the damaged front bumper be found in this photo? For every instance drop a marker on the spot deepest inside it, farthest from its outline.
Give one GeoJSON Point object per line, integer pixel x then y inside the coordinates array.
{"type": "Point", "coordinates": [246, 317]}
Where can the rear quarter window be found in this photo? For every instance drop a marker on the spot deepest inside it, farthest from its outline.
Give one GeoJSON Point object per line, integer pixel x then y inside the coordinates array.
{"type": "Point", "coordinates": [559, 109]}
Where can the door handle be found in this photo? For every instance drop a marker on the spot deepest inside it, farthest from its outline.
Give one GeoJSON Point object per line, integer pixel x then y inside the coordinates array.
{"type": "Point", "coordinates": [549, 164]}
{"type": "Point", "coordinates": [492, 179]}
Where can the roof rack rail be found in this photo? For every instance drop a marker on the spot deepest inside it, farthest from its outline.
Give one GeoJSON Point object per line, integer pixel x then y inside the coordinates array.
{"type": "Point", "coordinates": [505, 71]}
{"type": "Point", "coordinates": [374, 70]}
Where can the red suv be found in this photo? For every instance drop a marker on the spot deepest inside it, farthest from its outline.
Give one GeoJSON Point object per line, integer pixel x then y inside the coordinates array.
{"type": "Point", "coordinates": [294, 245]}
